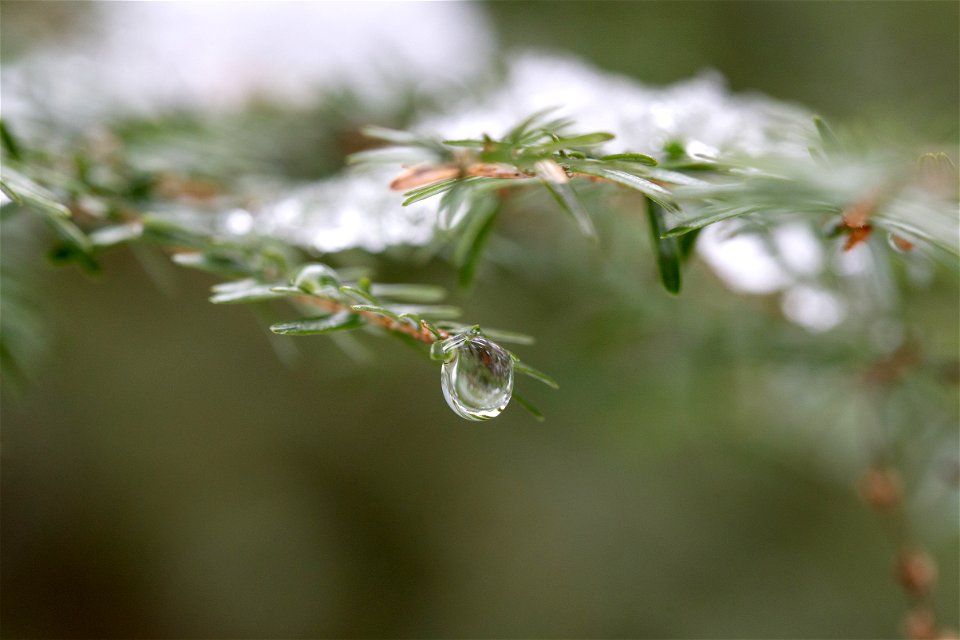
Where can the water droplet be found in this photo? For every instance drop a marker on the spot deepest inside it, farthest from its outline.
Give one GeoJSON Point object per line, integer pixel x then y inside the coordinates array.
{"type": "Point", "coordinates": [314, 277]}
{"type": "Point", "coordinates": [476, 376]}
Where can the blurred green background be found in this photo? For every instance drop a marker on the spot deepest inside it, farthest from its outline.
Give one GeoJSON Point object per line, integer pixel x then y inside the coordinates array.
{"type": "Point", "coordinates": [166, 475]}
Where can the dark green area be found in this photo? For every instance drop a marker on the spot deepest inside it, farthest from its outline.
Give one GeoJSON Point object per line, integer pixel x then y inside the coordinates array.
{"type": "Point", "coordinates": [896, 62]}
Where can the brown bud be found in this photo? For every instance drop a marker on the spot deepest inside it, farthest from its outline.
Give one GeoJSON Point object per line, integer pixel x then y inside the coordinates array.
{"type": "Point", "coordinates": [916, 571]}
{"type": "Point", "coordinates": [901, 243]}
{"type": "Point", "coordinates": [881, 488]}
{"type": "Point", "coordinates": [920, 624]}
{"type": "Point", "coordinates": [857, 235]}
{"type": "Point", "coordinates": [856, 215]}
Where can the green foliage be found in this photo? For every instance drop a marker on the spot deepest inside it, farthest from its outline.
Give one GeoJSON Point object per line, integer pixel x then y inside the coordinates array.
{"type": "Point", "coordinates": [666, 248]}
{"type": "Point", "coordinates": [341, 321]}
{"type": "Point", "coordinates": [473, 179]}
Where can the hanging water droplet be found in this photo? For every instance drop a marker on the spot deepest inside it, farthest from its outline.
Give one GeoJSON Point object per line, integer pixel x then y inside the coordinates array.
{"type": "Point", "coordinates": [476, 376]}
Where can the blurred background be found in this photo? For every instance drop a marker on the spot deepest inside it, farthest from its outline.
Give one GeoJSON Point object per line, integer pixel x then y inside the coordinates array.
{"type": "Point", "coordinates": [167, 474]}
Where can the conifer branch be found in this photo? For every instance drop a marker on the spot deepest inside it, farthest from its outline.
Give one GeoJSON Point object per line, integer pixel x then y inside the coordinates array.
{"type": "Point", "coordinates": [860, 193]}
{"type": "Point", "coordinates": [683, 193]}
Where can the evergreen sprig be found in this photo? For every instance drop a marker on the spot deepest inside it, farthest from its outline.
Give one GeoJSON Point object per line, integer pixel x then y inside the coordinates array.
{"type": "Point", "coordinates": [259, 269]}
{"type": "Point", "coordinates": [853, 191]}
{"type": "Point", "coordinates": [93, 204]}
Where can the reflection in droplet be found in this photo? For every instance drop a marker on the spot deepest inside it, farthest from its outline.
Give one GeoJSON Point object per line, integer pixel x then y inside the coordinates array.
{"type": "Point", "coordinates": [476, 376]}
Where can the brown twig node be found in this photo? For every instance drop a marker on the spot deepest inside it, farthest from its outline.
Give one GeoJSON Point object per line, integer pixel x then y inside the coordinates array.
{"type": "Point", "coordinates": [920, 624]}
{"type": "Point", "coordinates": [916, 571]}
{"type": "Point", "coordinates": [426, 174]}
{"type": "Point", "coordinates": [416, 330]}
{"type": "Point", "coordinates": [882, 488]}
